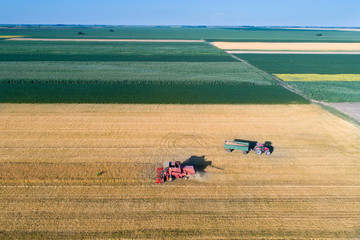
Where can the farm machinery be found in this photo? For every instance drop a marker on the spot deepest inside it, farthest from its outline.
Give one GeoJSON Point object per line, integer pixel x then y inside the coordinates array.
{"type": "Point", "coordinates": [172, 170]}
{"type": "Point", "coordinates": [259, 148]}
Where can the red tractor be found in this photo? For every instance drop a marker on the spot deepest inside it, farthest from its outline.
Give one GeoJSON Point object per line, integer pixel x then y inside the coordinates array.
{"type": "Point", "coordinates": [172, 170]}
{"type": "Point", "coordinates": [260, 148]}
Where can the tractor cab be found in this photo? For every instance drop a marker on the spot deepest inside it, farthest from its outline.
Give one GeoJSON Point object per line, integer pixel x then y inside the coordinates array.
{"type": "Point", "coordinates": [260, 148]}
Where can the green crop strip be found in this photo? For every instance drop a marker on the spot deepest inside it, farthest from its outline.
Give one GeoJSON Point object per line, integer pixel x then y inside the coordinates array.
{"type": "Point", "coordinates": [330, 91]}
{"type": "Point", "coordinates": [305, 63]}
{"type": "Point", "coordinates": [146, 93]}
{"type": "Point", "coordinates": [110, 51]}
{"type": "Point", "coordinates": [133, 72]}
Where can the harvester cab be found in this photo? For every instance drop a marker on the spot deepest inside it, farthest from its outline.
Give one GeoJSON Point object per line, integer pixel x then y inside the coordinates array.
{"type": "Point", "coordinates": [172, 170]}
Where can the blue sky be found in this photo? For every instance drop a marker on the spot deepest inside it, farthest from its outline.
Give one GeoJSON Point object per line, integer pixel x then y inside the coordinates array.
{"type": "Point", "coordinates": [183, 12]}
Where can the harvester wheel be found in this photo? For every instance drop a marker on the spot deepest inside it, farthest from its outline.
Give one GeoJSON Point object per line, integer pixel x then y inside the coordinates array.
{"type": "Point", "coordinates": [245, 152]}
{"type": "Point", "coordinates": [267, 152]}
{"type": "Point", "coordinates": [258, 151]}
{"type": "Point", "coordinates": [229, 150]}
{"type": "Point", "coordinates": [170, 179]}
{"type": "Point", "coordinates": [186, 178]}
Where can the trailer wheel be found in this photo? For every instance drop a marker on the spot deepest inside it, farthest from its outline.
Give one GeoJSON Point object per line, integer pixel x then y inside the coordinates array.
{"type": "Point", "coordinates": [267, 152]}
{"type": "Point", "coordinates": [229, 150]}
{"type": "Point", "coordinates": [245, 152]}
{"type": "Point", "coordinates": [258, 151]}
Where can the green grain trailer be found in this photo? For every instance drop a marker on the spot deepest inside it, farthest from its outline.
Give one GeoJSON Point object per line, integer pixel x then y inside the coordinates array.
{"type": "Point", "coordinates": [244, 147]}
{"type": "Point", "coordinates": [236, 145]}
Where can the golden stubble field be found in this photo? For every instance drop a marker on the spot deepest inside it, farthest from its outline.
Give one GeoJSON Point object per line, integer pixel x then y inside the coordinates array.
{"type": "Point", "coordinates": [296, 46]}
{"type": "Point", "coordinates": [51, 157]}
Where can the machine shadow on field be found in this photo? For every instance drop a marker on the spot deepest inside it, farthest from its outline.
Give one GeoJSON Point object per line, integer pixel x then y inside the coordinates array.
{"type": "Point", "coordinates": [252, 144]}
{"type": "Point", "coordinates": [199, 163]}
{"type": "Point", "coordinates": [269, 145]}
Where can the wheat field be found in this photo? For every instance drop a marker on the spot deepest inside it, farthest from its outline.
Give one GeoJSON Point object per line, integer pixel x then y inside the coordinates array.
{"type": "Point", "coordinates": [87, 171]}
{"type": "Point", "coordinates": [295, 46]}
{"type": "Point", "coordinates": [319, 77]}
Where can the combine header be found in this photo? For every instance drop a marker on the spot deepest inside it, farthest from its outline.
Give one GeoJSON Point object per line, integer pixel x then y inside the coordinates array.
{"type": "Point", "coordinates": [172, 170]}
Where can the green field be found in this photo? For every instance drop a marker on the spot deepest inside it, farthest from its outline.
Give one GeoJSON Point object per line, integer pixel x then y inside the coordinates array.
{"type": "Point", "coordinates": [111, 51]}
{"type": "Point", "coordinates": [329, 91]}
{"type": "Point", "coordinates": [146, 93]}
{"type": "Point", "coordinates": [208, 33]}
{"type": "Point", "coordinates": [133, 72]}
{"type": "Point", "coordinates": [305, 63]}
{"type": "Point", "coordinates": [345, 91]}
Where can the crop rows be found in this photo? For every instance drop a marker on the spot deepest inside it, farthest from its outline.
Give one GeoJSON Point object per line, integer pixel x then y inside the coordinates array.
{"type": "Point", "coordinates": [51, 155]}
{"type": "Point", "coordinates": [305, 63]}
{"type": "Point", "coordinates": [323, 77]}
{"type": "Point", "coordinates": [145, 93]}
{"type": "Point", "coordinates": [330, 91]}
{"type": "Point", "coordinates": [133, 72]}
{"type": "Point", "coordinates": [110, 51]}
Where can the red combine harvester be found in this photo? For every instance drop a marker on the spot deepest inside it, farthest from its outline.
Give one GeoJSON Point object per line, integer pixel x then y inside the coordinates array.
{"type": "Point", "coordinates": [172, 170]}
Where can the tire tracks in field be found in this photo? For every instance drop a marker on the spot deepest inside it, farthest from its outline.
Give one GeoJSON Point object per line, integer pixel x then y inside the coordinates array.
{"type": "Point", "coordinates": [180, 144]}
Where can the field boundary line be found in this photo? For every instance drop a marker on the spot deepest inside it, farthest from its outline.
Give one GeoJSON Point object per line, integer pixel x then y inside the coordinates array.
{"type": "Point", "coordinates": [102, 40]}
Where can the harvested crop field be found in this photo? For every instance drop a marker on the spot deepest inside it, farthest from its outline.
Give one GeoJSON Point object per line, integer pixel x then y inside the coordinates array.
{"type": "Point", "coordinates": [77, 171]}
{"type": "Point", "coordinates": [297, 46]}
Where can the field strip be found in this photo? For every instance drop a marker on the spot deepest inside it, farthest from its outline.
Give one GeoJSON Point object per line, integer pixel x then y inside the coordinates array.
{"type": "Point", "coordinates": [10, 36]}
{"type": "Point", "coordinates": [300, 46]}
{"type": "Point", "coordinates": [319, 77]}
{"type": "Point", "coordinates": [281, 83]}
{"type": "Point", "coordinates": [102, 40]}
{"type": "Point", "coordinates": [187, 187]}
{"type": "Point", "coordinates": [328, 29]}
{"type": "Point", "coordinates": [289, 52]}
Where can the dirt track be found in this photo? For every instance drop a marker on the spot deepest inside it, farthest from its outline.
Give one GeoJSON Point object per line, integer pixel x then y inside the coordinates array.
{"type": "Point", "coordinates": [101, 40]}
{"type": "Point", "coordinates": [50, 157]}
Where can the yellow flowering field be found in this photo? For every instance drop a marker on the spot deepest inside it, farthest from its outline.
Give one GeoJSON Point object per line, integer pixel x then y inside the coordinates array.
{"type": "Point", "coordinates": [318, 77]}
{"type": "Point", "coordinates": [8, 36]}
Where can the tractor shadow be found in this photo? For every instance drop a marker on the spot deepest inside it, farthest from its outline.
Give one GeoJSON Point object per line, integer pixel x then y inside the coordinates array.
{"type": "Point", "coordinates": [269, 145]}
{"type": "Point", "coordinates": [252, 144]}
{"type": "Point", "coordinates": [199, 163]}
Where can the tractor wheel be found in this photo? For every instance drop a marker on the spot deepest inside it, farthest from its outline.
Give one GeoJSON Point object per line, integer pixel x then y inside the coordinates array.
{"type": "Point", "coordinates": [170, 179]}
{"type": "Point", "coordinates": [186, 178]}
{"type": "Point", "coordinates": [267, 152]}
{"type": "Point", "coordinates": [229, 150]}
{"type": "Point", "coordinates": [245, 152]}
{"type": "Point", "coordinates": [258, 151]}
